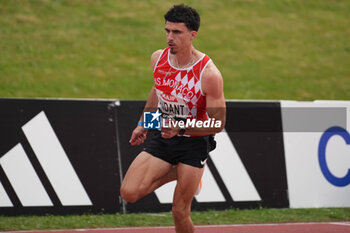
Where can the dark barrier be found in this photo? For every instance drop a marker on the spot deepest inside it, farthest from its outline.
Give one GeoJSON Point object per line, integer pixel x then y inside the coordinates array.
{"type": "Point", "coordinates": [62, 157]}
{"type": "Point", "coordinates": [255, 129]}
{"type": "Point", "coordinates": [58, 157]}
{"type": "Point", "coordinates": [259, 154]}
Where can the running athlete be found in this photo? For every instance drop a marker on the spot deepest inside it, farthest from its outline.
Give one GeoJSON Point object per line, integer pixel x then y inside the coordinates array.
{"type": "Point", "coordinates": [187, 85]}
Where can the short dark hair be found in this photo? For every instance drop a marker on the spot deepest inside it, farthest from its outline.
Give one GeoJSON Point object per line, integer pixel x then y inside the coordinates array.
{"type": "Point", "coordinates": [184, 14]}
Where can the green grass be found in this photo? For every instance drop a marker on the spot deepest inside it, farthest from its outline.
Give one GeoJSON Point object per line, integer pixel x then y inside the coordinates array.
{"type": "Point", "coordinates": [265, 49]}
{"type": "Point", "coordinates": [165, 219]}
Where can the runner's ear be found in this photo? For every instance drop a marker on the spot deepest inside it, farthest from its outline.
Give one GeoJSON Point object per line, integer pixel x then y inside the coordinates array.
{"type": "Point", "coordinates": [193, 35]}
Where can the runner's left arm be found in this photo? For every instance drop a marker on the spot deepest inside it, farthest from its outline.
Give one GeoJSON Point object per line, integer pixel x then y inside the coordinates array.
{"type": "Point", "coordinates": [212, 86]}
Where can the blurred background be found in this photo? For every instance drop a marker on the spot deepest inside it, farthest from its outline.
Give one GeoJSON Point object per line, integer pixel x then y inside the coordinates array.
{"type": "Point", "coordinates": [265, 49]}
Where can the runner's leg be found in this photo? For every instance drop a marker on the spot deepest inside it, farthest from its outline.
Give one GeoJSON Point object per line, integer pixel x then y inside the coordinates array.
{"type": "Point", "coordinates": [170, 176]}
{"type": "Point", "coordinates": [188, 178]}
{"type": "Point", "coordinates": [145, 174]}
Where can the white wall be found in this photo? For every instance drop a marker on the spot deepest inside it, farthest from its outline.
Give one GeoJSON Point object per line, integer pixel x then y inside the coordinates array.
{"type": "Point", "coordinates": [303, 130]}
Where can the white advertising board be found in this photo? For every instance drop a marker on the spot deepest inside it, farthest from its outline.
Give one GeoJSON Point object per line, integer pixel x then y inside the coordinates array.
{"type": "Point", "coordinates": [317, 150]}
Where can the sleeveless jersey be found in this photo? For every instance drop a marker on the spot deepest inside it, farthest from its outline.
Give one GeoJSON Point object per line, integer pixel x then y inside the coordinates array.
{"type": "Point", "coordinates": [179, 90]}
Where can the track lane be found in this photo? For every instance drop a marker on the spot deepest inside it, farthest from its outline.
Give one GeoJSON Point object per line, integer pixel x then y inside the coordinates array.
{"type": "Point", "coordinates": [326, 227]}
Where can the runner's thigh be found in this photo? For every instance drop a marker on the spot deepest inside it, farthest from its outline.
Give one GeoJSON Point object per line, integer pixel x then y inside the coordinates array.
{"type": "Point", "coordinates": [144, 170]}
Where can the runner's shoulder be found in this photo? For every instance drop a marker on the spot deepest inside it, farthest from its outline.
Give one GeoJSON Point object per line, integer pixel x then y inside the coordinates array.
{"type": "Point", "coordinates": [155, 56]}
{"type": "Point", "coordinates": [212, 81]}
{"type": "Point", "coordinates": [211, 72]}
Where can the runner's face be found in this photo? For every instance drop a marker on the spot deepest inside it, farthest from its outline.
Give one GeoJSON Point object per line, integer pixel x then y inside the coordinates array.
{"type": "Point", "coordinates": [178, 36]}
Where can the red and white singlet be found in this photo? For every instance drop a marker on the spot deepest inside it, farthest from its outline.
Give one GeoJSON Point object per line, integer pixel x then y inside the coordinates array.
{"type": "Point", "coordinates": [179, 90]}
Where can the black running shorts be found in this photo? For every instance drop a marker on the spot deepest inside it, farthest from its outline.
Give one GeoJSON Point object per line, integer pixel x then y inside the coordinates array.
{"type": "Point", "coordinates": [192, 151]}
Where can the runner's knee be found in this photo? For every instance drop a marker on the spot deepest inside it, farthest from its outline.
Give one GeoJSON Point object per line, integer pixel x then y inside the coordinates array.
{"type": "Point", "coordinates": [131, 194]}
{"type": "Point", "coordinates": [181, 212]}
{"type": "Point", "coordinates": [128, 195]}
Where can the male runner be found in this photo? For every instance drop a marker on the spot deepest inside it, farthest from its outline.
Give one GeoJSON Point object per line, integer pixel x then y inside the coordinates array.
{"type": "Point", "coordinates": [187, 86]}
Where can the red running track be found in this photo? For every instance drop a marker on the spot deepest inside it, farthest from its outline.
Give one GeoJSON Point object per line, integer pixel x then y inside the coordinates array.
{"type": "Point", "coordinates": [328, 227]}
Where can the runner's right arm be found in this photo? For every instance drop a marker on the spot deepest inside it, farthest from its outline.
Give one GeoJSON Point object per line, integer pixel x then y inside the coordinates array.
{"type": "Point", "coordinates": [138, 136]}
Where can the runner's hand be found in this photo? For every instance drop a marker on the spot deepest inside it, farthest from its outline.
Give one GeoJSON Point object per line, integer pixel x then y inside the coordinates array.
{"type": "Point", "coordinates": [138, 136]}
{"type": "Point", "coordinates": [169, 131]}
